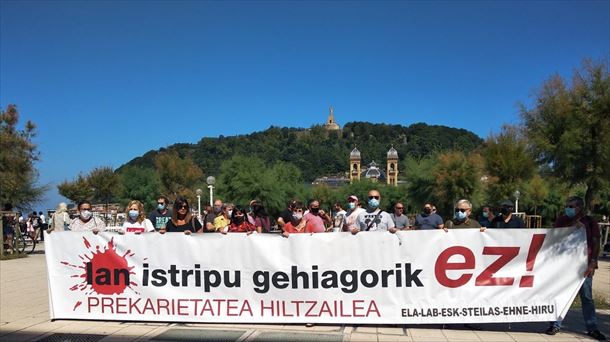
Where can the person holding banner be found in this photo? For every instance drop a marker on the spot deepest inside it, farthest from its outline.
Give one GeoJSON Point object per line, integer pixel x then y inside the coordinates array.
{"type": "Point", "coordinates": [296, 224]}
{"type": "Point", "coordinates": [374, 219]}
{"type": "Point", "coordinates": [182, 219]}
{"type": "Point", "coordinates": [85, 220]}
{"type": "Point", "coordinates": [575, 216]}
{"type": "Point", "coordinates": [136, 221]}
{"type": "Point", "coordinates": [239, 222]}
{"type": "Point", "coordinates": [507, 219]}
{"type": "Point", "coordinates": [316, 218]}
{"type": "Point", "coordinates": [428, 219]}
{"type": "Point", "coordinates": [161, 215]}
{"type": "Point", "coordinates": [461, 218]}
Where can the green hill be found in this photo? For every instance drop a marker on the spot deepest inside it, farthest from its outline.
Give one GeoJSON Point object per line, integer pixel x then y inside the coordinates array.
{"type": "Point", "coordinates": [317, 152]}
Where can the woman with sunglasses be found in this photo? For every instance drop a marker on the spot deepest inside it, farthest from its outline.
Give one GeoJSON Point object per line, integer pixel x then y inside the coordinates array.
{"type": "Point", "coordinates": [182, 219]}
{"type": "Point", "coordinates": [461, 218]}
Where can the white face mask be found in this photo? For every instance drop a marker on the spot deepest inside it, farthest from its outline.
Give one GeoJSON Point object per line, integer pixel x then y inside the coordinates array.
{"type": "Point", "coordinates": [230, 212]}
{"type": "Point", "coordinates": [297, 216]}
{"type": "Point", "coordinates": [85, 214]}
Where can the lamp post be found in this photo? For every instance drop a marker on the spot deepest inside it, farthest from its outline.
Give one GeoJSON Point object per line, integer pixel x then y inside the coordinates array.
{"type": "Point", "coordinates": [199, 192]}
{"type": "Point", "coordinates": [211, 180]}
{"type": "Point", "coordinates": [517, 194]}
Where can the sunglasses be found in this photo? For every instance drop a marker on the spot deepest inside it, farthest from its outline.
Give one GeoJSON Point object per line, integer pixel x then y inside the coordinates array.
{"type": "Point", "coordinates": [162, 203]}
{"type": "Point", "coordinates": [571, 206]}
{"type": "Point", "coordinates": [399, 208]}
{"type": "Point", "coordinates": [375, 197]}
{"type": "Point", "coordinates": [462, 210]}
{"type": "Point", "coordinates": [183, 207]}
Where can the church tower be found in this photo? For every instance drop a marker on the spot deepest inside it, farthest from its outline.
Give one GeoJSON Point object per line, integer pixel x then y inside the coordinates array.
{"type": "Point", "coordinates": [354, 165]}
{"type": "Point", "coordinates": [392, 167]}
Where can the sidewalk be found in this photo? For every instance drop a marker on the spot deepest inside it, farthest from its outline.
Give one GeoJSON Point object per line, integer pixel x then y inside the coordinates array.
{"type": "Point", "coordinates": [24, 316]}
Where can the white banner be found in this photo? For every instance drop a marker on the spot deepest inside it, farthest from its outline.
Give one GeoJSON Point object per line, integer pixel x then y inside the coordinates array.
{"type": "Point", "coordinates": [463, 276]}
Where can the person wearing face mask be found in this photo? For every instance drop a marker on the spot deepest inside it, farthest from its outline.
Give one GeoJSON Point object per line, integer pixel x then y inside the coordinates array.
{"type": "Point", "coordinates": [507, 219]}
{"type": "Point", "coordinates": [574, 216]}
{"type": "Point", "coordinates": [316, 218]}
{"type": "Point", "coordinates": [239, 222]}
{"type": "Point", "coordinates": [296, 224]}
{"type": "Point", "coordinates": [222, 221]}
{"type": "Point", "coordinates": [461, 218]}
{"type": "Point", "coordinates": [428, 219]}
{"type": "Point", "coordinates": [259, 217]}
{"type": "Point", "coordinates": [487, 216]}
{"type": "Point", "coordinates": [136, 221]}
{"type": "Point", "coordinates": [354, 208]}
{"type": "Point", "coordinates": [161, 214]}
{"type": "Point", "coordinates": [373, 218]}
{"type": "Point", "coordinates": [85, 221]}
{"type": "Point", "coordinates": [210, 217]}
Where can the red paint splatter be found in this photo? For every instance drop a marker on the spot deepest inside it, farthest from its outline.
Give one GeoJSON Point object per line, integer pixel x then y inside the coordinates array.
{"type": "Point", "coordinates": [106, 259]}
{"type": "Point", "coordinates": [77, 305]}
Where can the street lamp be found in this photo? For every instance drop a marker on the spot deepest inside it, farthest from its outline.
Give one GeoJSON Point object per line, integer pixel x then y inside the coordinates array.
{"type": "Point", "coordinates": [211, 180]}
{"type": "Point", "coordinates": [199, 192]}
{"type": "Point", "coordinates": [516, 194]}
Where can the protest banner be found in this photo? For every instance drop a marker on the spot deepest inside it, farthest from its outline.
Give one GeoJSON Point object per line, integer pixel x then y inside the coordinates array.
{"type": "Point", "coordinates": [462, 276]}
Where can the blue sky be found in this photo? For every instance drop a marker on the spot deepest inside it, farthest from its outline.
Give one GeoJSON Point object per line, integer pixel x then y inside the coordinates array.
{"type": "Point", "coordinates": [106, 81]}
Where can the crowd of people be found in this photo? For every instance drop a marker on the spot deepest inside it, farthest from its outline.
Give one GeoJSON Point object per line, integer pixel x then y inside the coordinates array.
{"type": "Point", "coordinates": [353, 216]}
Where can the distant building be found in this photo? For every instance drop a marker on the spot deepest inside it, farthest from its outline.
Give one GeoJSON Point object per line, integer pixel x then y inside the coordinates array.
{"type": "Point", "coordinates": [372, 172]}
{"type": "Point", "coordinates": [331, 124]}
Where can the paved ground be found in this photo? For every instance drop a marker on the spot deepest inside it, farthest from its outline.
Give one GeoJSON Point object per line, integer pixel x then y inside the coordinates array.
{"type": "Point", "coordinates": [24, 316]}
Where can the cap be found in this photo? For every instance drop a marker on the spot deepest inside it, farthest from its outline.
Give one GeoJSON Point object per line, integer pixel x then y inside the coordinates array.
{"type": "Point", "coordinates": [507, 203]}
{"type": "Point", "coordinates": [352, 198]}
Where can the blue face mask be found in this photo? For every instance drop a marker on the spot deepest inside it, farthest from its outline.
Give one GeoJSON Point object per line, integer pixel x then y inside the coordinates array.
{"type": "Point", "coordinates": [486, 214]}
{"type": "Point", "coordinates": [134, 214]}
{"type": "Point", "coordinates": [351, 205]}
{"type": "Point", "coordinates": [570, 212]}
{"type": "Point", "coordinates": [160, 206]}
{"type": "Point", "coordinates": [460, 216]}
{"type": "Point", "coordinates": [374, 203]}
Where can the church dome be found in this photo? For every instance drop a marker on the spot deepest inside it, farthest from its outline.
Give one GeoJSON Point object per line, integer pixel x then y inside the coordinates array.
{"type": "Point", "coordinates": [392, 153]}
{"type": "Point", "coordinates": [374, 172]}
{"type": "Point", "coordinates": [355, 154]}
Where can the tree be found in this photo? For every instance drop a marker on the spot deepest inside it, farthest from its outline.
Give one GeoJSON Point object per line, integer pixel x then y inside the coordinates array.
{"type": "Point", "coordinates": [139, 184]}
{"type": "Point", "coordinates": [77, 190]}
{"type": "Point", "coordinates": [507, 163]}
{"type": "Point", "coordinates": [178, 175]}
{"type": "Point", "coordinates": [536, 191]}
{"type": "Point", "coordinates": [456, 176]}
{"type": "Point", "coordinates": [100, 185]}
{"type": "Point", "coordinates": [569, 127]}
{"type": "Point", "coordinates": [18, 153]}
{"type": "Point", "coordinates": [105, 184]}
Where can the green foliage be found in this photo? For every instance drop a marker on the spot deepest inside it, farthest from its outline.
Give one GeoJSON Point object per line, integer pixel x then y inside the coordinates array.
{"type": "Point", "coordinates": [104, 183]}
{"type": "Point", "coordinates": [569, 128]}
{"type": "Point", "coordinates": [246, 178]}
{"type": "Point", "coordinates": [100, 185]}
{"type": "Point", "coordinates": [508, 164]}
{"type": "Point", "coordinates": [139, 184]}
{"type": "Point", "coordinates": [316, 152]}
{"type": "Point", "coordinates": [76, 190]}
{"type": "Point", "coordinates": [18, 153]}
{"type": "Point", "coordinates": [456, 176]}
{"type": "Point", "coordinates": [178, 175]}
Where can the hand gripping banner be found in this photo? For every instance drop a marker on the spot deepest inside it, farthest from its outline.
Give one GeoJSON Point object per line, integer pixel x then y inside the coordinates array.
{"type": "Point", "coordinates": [462, 276]}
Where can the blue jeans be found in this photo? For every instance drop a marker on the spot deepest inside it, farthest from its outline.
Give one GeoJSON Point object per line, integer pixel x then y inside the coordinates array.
{"type": "Point", "coordinates": [588, 307]}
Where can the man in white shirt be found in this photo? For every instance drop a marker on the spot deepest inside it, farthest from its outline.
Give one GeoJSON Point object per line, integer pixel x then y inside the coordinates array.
{"type": "Point", "coordinates": [374, 219]}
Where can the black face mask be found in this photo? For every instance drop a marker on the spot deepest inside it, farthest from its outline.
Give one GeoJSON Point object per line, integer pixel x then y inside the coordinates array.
{"type": "Point", "coordinates": [238, 219]}
{"type": "Point", "coordinates": [506, 210]}
{"type": "Point", "coordinates": [314, 211]}
{"type": "Point", "coordinates": [427, 211]}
